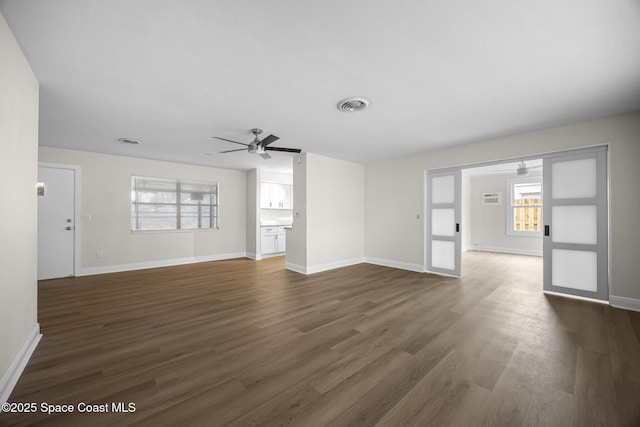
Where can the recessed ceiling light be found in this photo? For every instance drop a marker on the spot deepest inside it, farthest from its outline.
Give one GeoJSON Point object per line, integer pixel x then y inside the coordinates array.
{"type": "Point", "coordinates": [129, 141]}
{"type": "Point", "coordinates": [353, 104]}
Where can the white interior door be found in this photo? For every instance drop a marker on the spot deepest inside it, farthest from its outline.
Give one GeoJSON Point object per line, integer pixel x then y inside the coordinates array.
{"type": "Point", "coordinates": [443, 245]}
{"type": "Point", "coordinates": [56, 228]}
{"type": "Point", "coordinates": [576, 228]}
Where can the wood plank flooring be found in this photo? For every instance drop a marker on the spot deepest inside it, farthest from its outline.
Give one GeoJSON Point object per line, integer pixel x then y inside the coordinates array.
{"type": "Point", "coordinates": [244, 342]}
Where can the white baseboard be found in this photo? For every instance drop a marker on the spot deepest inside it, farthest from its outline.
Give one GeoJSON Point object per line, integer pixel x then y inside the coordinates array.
{"type": "Point", "coordinates": [514, 251]}
{"type": "Point", "coordinates": [624, 302]}
{"type": "Point", "coordinates": [10, 378]}
{"type": "Point", "coordinates": [263, 256]}
{"type": "Point", "coordinates": [323, 267]}
{"type": "Point", "coordinates": [251, 255]}
{"type": "Point", "coordinates": [89, 271]}
{"type": "Point", "coordinates": [295, 267]}
{"type": "Point", "coordinates": [395, 264]}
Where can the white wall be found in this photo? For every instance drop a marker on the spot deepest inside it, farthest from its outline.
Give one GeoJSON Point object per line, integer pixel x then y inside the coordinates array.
{"type": "Point", "coordinates": [401, 181]}
{"type": "Point", "coordinates": [489, 223]}
{"type": "Point", "coordinates": [333, 214]}
{"type": "Point", "coordinates": [18, 220]}
{"type": "Point", "coordinates": [106, 196]}
{"type": "Point", "coordinates": [252, 220]}
{"type": "Point", "coordinates": [296, 258]}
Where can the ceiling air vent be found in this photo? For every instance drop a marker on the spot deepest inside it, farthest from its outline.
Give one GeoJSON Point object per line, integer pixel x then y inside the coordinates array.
{"type": "Point", "coordinates": [129, 141]}
{"type": "Point", "coordinates": [353, 104]}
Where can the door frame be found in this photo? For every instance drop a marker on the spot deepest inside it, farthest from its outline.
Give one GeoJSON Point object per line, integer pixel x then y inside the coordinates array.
{"type": "Point", "coordinates": [76, 210]}
{"type": "Point", "coordinates": [526, 157]}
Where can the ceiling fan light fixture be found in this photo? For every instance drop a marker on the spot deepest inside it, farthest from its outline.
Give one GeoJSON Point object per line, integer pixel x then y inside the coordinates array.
{"type": "Point", "coordinates": [522, 170]}
{"type": "Point", "coordinates": [130, 141]}
{"type": "Point", "coordinates": [353, 104]}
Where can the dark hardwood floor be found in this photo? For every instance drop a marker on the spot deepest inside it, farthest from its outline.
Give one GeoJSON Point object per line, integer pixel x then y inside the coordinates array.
{"type": "Point", "coordinates": [244, 342]}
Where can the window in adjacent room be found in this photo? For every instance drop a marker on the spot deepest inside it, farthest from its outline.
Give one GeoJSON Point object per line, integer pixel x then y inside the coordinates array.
{"type": "Point", "coordinates": [173, 204]}
{"type": "Point", "coordinates": [524, 210]}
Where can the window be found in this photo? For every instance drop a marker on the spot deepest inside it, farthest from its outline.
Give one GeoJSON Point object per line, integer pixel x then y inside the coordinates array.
{"type": "Point", "coordinates": [171, 204]}
{"type": "Point", "coordinates": [524, 211]}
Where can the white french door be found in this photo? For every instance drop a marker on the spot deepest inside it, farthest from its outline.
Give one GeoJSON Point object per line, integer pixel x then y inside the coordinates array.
{"type": "Point", "coordinates": [443, 243]}
{"type": "Point", "coordinates": [575, 224]}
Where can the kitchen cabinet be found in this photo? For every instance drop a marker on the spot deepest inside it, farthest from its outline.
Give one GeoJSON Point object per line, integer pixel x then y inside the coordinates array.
{"type": "Point", "coordinates": [281, 241]}
{"type": "Point", "coordinates": [275, 196]}
{"type": "Point", "coordinates": [273, 240]}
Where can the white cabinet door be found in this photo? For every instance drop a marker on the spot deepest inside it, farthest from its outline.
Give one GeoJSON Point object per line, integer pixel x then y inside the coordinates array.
{"type": "Point", "coordinates": [269, 243]}
{"type": "Point", "coordinates": [275, 196]}
{"type": "Point", "coordinates": [265, 195]}
{"type": "Point", "coordinates": [282, 240]}
{"type": "Point", "coordinates": [284, 196]}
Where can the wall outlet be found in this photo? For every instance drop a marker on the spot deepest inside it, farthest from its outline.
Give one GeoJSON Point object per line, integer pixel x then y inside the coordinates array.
{"type": "Point", "coordinates": [98, 254]}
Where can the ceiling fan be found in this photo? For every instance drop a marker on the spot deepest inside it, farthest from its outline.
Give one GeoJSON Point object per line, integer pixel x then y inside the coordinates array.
{"type": "Point", "coordinates": [522, 169]}
{"type": "Point", "coordinates": [260, 146]}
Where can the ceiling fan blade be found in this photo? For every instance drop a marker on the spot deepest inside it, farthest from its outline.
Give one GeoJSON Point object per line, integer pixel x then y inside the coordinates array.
{"type": "Point", "coordinates": [265, 156]}
{"type": "Point", "coordinates": [228, 140]}
{"type": "Point", "coordinates": [268, 140]}
{"type": "Point", "coordinates": [231, 151]}
{"type": "Point", "coordinates": [287, 150]}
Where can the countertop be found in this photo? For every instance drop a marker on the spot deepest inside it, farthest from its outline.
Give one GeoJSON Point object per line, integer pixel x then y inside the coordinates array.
{"type": "Point", "coordinates": [274, 222]}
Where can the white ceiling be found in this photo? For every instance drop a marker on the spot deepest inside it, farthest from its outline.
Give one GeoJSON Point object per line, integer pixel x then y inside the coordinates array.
{"type": "Point", "coordinates": [174, 73]}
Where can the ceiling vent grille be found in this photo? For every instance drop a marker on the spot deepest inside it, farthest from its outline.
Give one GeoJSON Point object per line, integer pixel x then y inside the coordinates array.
{"type": "Point", "coordinates": [129, 141]}
{"type": "Point", "coordinates": [353, 104]}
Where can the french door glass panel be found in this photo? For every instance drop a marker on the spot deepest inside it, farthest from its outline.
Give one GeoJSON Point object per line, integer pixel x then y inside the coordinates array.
{"type": "Point", "coordinates": [443, 232]}
{"type": "Point", "coordinates": [575, 218]}
{"type": "Point", "coordinates": [443, 222]}
{"type": "Point", "coordinates": [578, 269]}
{"type": "Point", "coordinates": [575, 224]}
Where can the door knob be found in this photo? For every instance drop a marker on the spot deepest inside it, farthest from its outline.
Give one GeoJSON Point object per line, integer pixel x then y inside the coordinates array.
{"type": "Point", "coordinates": [68, 219]}
{"type": "Point", "coordinates": [68, 228]}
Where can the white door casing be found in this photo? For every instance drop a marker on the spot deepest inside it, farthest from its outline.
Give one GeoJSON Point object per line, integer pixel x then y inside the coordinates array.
{"type": "Point", "coordinates": [56, 222]}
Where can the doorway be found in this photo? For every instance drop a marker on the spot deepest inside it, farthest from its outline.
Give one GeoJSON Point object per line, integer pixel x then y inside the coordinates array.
{"type": "Point", "coordinates": [558, 202]}
{"type": "Point", "coordinates": [57, 232]}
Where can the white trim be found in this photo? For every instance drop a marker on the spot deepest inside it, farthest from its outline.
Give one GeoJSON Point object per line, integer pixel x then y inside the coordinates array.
{"type": "Point", "coordinates": [295, 267]}
{"type": "Point", "coordinates": [333, 265]}
{"type": "Point", "coordinates": [515, 251]}
{"type": "Point", "coordinates": [624, 302]}
{"type": "Point", "coordinates": [272, 255]}
{"type": "Point", "coordinates": [77, 232]}
{"type": "Point", "coordinates": [323, 267]}
{"type": "Point", "coordinates": [89, 271]}
{"type": "Point", "coordinates": [252, 255]}
{"type": "Point", "coordinates": [570, 296]}
{"type": "Point", "coordinates": [395, 264]}
{"type": "Point", "coordinates": [11, 376]}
